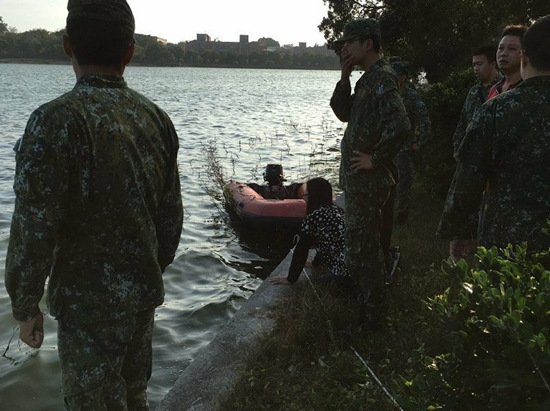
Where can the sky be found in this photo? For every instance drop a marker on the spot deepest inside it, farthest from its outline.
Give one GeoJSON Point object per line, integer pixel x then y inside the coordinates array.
{"type": "Point", "coordinates": [286, 21]}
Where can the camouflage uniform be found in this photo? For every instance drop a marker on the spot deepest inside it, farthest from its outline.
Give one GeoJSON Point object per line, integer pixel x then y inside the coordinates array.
{"type": "Point", "coordinates": [377, 125]}
{"type": "Point", "coordinates": [474, 100]}
{"type": "Point", "coordinates": [117, 357]}
{"type": "Point", "coordinates": [421, 131]}
{"type": "Point", "coordinates": [98, 209]}
{"type": "Point", "coordinates": [506, 146]}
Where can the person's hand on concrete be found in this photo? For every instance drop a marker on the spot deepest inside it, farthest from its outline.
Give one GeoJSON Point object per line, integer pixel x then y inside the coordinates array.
{"type": "Point", "coordinates": [278, 280]}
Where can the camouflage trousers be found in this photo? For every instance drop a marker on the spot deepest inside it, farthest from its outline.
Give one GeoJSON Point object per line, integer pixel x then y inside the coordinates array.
{"type": "Point", "coordinates": [405, 167]}
{"type": "Point", "coordinates": [106, 365]}
{"type": "Point", "coordinates": [366, 238]}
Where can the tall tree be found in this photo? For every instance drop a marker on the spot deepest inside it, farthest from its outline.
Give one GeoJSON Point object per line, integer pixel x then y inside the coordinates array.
{"type": "Point", "coordinates": [3, 26]}
{"type": "Point", "coordinates": [435, 35]}
{"type": "Point", "coordinates": [268, 42]}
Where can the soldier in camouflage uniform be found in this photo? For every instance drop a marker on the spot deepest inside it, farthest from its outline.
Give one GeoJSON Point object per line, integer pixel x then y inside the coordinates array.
{"type": "Point", "coordinates": [421, 131]}
{"type": "Point", "coordinates": [506, 149]}
{"type": "Point", "coordinates": [377, 127]}
{"type": "Point", "coordinates": [486, 71]}
{"type": "Point", "coordinates": [98, 209]}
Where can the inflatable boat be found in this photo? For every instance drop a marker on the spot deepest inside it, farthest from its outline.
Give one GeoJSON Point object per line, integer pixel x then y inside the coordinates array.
{"type": "Point", "coordinates": [273, 203]}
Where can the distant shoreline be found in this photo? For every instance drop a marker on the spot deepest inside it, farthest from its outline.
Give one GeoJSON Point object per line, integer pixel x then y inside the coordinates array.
{"type": "Point", "coordinates": [67, 63]}
{"type": "Point", "coordinates": [34, 61]}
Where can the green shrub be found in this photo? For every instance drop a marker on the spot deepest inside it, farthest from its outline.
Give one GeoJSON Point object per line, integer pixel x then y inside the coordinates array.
{"type": "Point", "coordinates": [497, 354]}
{"type": "Point", "coordinates": [444, 102]}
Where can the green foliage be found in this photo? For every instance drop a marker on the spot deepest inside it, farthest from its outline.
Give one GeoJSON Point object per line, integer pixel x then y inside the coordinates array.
{"type": "Point", "coordinates": [496, 353]}
{"type": "Point", "coordinates": [268, 42]}
{"type": "Point", "coordinates": [3, 26]}
{"type": "Point", "coordinates": [442, 34]}
{"type": "Point", "coordinates": [444, 101]}
{"type": "Point", "coordinates": [33, 44]}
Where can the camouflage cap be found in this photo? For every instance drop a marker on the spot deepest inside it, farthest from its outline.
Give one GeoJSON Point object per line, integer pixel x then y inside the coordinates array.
{"type": "Point", "coordinates": [400, 67]}
{"type": "Point", "coordinates": [117, 12]}
{"type": "Point", "coordinates": [360, 28]}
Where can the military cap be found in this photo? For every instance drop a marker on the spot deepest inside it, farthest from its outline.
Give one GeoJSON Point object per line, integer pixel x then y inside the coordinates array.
{"type": "Point", "coordinates": [117, 12]}
{"type": "Point", "coordinates": [400, 67]}
{"type": "Point", "coordinates": [360, 28]}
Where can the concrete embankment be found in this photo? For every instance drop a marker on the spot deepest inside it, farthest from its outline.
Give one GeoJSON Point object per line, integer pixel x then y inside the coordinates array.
{"type": "Point", "coordinates": [211, 377]}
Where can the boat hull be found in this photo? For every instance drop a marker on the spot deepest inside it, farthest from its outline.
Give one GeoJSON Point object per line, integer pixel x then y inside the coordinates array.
{"type": "Point", "coordinates": [255, 209]}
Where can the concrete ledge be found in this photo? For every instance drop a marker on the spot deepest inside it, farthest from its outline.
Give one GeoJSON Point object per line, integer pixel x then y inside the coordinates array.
{"type": "Point", "coordinates": [209, 380]}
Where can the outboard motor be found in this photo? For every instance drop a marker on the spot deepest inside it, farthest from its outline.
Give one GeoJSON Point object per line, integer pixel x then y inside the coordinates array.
{"type": "Point", "coordinates": [274, 175]}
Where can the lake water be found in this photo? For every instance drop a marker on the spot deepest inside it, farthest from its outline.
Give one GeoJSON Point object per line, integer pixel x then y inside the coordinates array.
{"type": "Point", "coordinates": [238, 119]}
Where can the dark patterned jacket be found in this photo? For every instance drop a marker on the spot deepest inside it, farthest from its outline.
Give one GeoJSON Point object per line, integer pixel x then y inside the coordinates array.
{"type": "Point", "coordinates": [98, 204]}
{"type": "Point", "coordinates": [322, 229]}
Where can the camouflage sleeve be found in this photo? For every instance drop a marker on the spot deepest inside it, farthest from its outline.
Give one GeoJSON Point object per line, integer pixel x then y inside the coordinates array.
{"type": "Point", "coordinates": [342, 101]}
{"type": "Point", "coordinates": [170, 218]}
{"type": "Point", "coordinates": [471, 102]}
{"type": "Point", "coordinates": [460, 128]}
{"type": "Point", "coordinates": [41, 189]}
{"type": "Point", "coordinates": [460, 213]}
{"type": "Point", "coordinates": [423, 132]}
{"type": "Point", "coordinates": [394, 123]}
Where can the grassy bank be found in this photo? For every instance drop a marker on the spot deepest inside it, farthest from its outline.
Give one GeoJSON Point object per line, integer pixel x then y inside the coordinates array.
{"type": "Point", "coordinates": [310, 363]}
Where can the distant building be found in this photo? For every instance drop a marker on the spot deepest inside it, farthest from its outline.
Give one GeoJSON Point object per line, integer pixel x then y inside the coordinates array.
{"type": "Point", "coordinates": [243, 42]}
{"type": "Point", "coordinates": [202, 38]}
{"type": "Point", "coordinates": [204, 43]}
